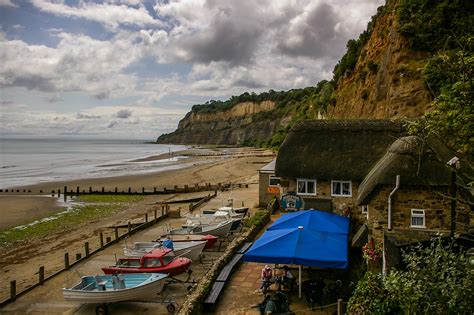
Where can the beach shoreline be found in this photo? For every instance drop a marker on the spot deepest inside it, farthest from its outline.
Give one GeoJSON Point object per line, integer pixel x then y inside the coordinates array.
{"type": "Point", "coordinates": [21, 205]}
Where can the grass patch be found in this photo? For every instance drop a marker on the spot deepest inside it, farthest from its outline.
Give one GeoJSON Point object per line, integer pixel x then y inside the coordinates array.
{"type": "Point", "coordinates": [109, 198]}
{"type": "Point", "coordinates": [64, 221]}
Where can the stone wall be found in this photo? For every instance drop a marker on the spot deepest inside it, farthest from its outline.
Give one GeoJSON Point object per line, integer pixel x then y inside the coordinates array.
{"type": "Point", "coordinates": [437, 211]}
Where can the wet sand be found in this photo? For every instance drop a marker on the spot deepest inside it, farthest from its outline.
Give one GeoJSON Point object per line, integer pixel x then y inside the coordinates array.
{"type": "Point", "coordinates": [17, 210]}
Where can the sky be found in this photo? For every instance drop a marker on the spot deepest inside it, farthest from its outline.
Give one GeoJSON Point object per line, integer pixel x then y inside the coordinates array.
{"type": "Point", "coordinates": [132, 69]}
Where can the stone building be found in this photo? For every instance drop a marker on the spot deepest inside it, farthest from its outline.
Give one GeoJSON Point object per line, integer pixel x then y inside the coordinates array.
{"type": "Point", "coordinates": [324, 161]}
{"type": "Point", "coordinates": [350, 167]}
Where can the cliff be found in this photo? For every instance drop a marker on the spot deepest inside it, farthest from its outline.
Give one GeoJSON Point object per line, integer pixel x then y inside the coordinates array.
{"type": "Point", "coordinates": [387, 81]}
{"type": "Point", "coordinates": [239, 124]}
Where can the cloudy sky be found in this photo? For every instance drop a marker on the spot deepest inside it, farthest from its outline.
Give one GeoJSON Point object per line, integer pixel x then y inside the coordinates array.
{"type": "Point", "coordinates": [133, 68]}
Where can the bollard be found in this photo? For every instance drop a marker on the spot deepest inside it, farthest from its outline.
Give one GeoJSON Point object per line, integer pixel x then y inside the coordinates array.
{"type": "Point", "coordinates": [129, 227]}
{"type": "Point", "coordinates": [86, 248]}
{"type": "Point", "coordinates": [78, 256]}
{"type": "Point", "coordinates": [146, 217]}
{"type": "Point", "coordinates": [101, 239]}
{"type": "Point", "coordinates": [116, 233]}
{"type": "Point", "coordinates": [13, 290]}
{"type": "Point", "coordinates": [66, 260]}
{"type": "Point", "coordinates": [41, 275]}
{"type": "Point", "coordinates": [108, 239]}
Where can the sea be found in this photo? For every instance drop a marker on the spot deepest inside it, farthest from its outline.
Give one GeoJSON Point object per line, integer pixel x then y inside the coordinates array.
{"type": "Point", "coordinates": [34, 161]}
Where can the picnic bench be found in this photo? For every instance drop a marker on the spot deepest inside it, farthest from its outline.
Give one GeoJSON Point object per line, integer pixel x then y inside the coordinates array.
{"type": "Point", "coordinates": [223, 276]}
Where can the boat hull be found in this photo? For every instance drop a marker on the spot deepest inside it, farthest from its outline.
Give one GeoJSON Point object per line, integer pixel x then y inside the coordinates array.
{"type": "Point", "coordinates": [137, 287]}
{"type": "Point", "coordinates": [176, 267]}
{"type": "Point", "coordinates": [176, 238]}
{"type": "Point", "coordinates": [190, 249]}
{"type": "Point", "coordinates": [220, 230]}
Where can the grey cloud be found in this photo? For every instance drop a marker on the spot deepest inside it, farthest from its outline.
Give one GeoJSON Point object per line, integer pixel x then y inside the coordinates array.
{"type": "Point", "coordinates": [31, 82]}
{"type": "Point", "coordinates": [102, 95]}
{"type": "Point", "coordinates": [55, 99]}
{"type": "Point", "coordinates": [124, 113]}
{"type": "Point", "coordinates": [315, 37]}
{"type": "Point", "coordinates": [86, 116]}
{"type": "Point", "coordinates": [232, 37]}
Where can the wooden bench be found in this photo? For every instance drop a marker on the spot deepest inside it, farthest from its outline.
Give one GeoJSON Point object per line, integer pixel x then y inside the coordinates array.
{"type": "Point", "coordinates": [227, 270]}
{"type": "Point", "coordinates": [215, 292]}
{"type": "Point", "coordinates": [244, 248]}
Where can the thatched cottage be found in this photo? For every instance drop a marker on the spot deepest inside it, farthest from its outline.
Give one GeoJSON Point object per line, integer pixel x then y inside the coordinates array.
{"type": "Point", "coordinates": [350, 167]}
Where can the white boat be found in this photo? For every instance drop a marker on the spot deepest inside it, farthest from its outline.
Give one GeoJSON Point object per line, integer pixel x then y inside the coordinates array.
{"type": "Point", "coordinates": [190, 249]}
{"type": "Point", "coordinates": [216, 229]}
{"type": "Point", "coordinates": [216, 217]}
{"type": "Point", "coordinates": [116, 288]}
{"type": "Point", "coordinates": [235, 213]}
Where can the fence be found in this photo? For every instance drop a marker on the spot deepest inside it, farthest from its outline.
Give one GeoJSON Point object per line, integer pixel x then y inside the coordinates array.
{"type": "Point", "coordinates": [130, 229]}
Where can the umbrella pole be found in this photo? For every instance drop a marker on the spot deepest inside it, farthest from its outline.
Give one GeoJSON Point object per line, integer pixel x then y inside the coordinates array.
{"type": "Point", "coordinates": [299, 280]}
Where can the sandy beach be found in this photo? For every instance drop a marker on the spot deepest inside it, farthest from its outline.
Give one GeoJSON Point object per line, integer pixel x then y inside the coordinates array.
{"type": "Point", "coordinates": [15, 262]}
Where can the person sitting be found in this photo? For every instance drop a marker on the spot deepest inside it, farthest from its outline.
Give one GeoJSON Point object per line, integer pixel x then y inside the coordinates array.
{"type": "Point", "coordinates": [288, 278]}
{"type": "Point", "coordinates": [278, 274]}
{"type": "Point", "coordinates": [266, 276]}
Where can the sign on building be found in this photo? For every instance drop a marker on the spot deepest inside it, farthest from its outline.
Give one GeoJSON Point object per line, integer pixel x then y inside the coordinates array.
{"type": "Point", "coordinates": [291, 202]}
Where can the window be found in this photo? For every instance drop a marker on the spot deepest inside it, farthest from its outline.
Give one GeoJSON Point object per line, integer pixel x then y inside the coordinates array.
{"type": "Point", "coordinates": [306, 186]}
{"type": "Point", "coordinates": [341, 188]}
{"type": "Point", "coordinates": [417, 218]}
{"type": "Point", "coordinates": [365, 210]}
{"type": "Point", "coordinates": [273, 181]}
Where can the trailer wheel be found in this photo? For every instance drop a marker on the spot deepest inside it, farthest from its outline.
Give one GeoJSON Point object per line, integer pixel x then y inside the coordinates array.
{"type": "Point", "coordinates": [101, 310]}
{"type": "Point", "coordinates": [170, 308]}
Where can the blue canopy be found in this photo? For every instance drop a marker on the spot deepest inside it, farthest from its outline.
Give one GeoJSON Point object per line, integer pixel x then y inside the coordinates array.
{"type": "Point", "coordinates": [300, 246]}
{"type": "Point", "coordinates": [315, 220]}
{"type": "Point", "coordinates": [309, 238]}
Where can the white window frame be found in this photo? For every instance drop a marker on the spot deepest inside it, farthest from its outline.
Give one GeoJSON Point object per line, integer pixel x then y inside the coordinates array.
{"type": "Point", "coordinates": [365, 210]}
{"type": "Point", "coordinates": [341, 182]}
{"type": "Point", "coordinates": [421, 214]}
{"type": "Point", "coordinates": [270, 177]}
{"type": "Point", "coordinates": [314, 181]}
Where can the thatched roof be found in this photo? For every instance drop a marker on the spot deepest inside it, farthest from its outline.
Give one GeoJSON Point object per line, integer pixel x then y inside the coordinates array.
{"type": "Point", "coordinates": [417, 162]}
{"type": "Point", "coordinates": [335, 149]}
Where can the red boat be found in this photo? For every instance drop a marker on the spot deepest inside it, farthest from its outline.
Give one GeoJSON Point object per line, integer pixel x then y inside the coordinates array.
{"type": "Point", "coordinates": [159, 260]}
{"type": "Point", "coordinates": [211, 239]}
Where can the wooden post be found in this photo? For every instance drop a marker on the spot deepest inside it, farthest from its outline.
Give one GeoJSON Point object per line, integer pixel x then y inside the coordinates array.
{"type": "Point", "coordinates": [66, 260]}
{"type": "Point", "coordinates": [340, 311]}
{"type": "Point", "coordinates": [103, 189]}
{"type": "Point", "coordinates": [155, 214]}
{"type": "Point", "coordinates": [101, 238]}
{"type": "Point", "coordinates": [116, 189]}
{"type": "Point", "coordinates": [65, 191]}
{"type": "Point", "coordinates": [175, 188]}
{"type": "Point", "coordinates": [77, 190]}
{"type": "Point", "coordinates": [90, 190]}
{"type": "Point", "coordinates": [41, 275]}
{"type": "Point", "coordinates": [129, 227]}
{"type": "Point", "coordinates": [78, 256]}
{"type": "Point", "coordinates": [59, 193]}
{"type": "Point", "coordinates": [186, 188]}
{"type": "Point", "coordinates": [116, 233]}
{"type": "Point", "coordinates": [129, 190]}
{"type": "Point", "coordinates": [13, 290]}
{"type": "Point", "coordinates": [146, 217]}
{"type": "Point", "coordinates": [154, 190]}
{"type": "Point", "coordinates": [162, 210]}
{"type": "Point", "coordinates": [190, 207]}
{"type": "Point", "coordinates": [143, 190]}
{"type": "Point", "coordinates": [86, 248]}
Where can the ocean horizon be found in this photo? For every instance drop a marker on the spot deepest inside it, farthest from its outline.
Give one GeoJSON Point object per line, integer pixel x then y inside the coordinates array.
{"type": "Point", "coordinates": [29, 161]}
